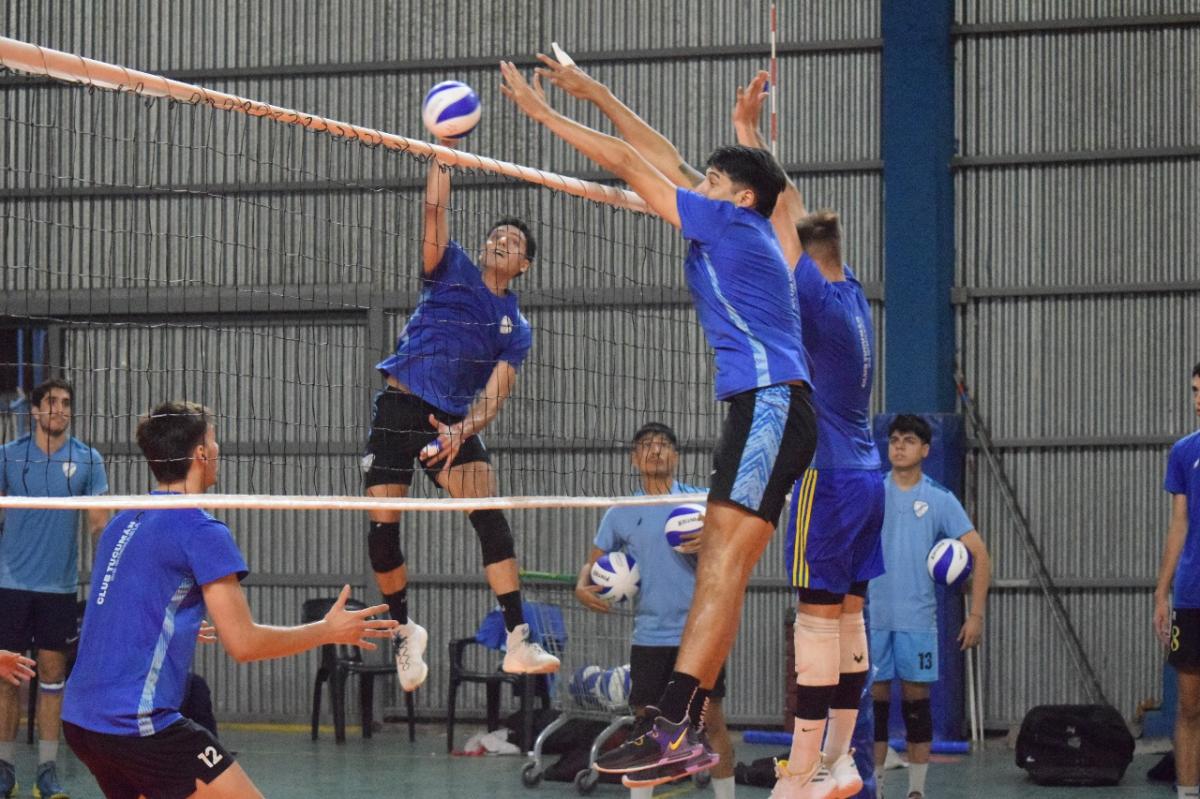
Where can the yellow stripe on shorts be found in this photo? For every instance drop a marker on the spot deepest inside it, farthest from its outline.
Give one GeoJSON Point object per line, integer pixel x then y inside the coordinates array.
{"type": "Point", "coordinates": [808, 487]}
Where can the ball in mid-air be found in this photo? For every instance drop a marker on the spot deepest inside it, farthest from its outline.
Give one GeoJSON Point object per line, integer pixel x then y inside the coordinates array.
{"type": "Point", "coordinates": [451, 110]}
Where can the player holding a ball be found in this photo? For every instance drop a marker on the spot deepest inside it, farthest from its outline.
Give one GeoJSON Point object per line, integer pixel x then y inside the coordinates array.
{"type": "Point", "coordinates": [668, 578]}
{"type": "Point", "coordinates": [454, 367]}
{"type": "Point", "coordinates": [904, 642]}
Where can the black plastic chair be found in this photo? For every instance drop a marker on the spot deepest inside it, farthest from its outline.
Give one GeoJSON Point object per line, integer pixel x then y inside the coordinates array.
{"type": "Point", "coordinates": [338, 662]}
{"type": "Point", "coordinates": [524, 687]}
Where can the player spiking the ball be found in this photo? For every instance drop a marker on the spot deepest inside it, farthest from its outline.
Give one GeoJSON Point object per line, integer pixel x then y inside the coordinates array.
{"type": "Point", "coordinates": [745, 300]}
{"type": "Point", "coordinates": [454, 367]}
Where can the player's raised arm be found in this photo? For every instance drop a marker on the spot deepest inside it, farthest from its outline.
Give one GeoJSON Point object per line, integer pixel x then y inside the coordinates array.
{"type": "Point", "coordinates": [652, 145]}
{"type": "Point", "coordinates": [437, 222]}
{"type": "Point", "coordinates": [608, 152]}
{"type": "Point", "coordinates": [790, 209]}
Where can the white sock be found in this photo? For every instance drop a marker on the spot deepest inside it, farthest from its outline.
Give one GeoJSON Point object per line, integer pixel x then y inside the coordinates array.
{"type": "Point", "coordinates": [8, 751]}
{"type": "Point", "coordinates": [806, 744]}
{"type": "Point", "coordinates": [640, 793]}
{"type": "Point", "coordinates": [916, 776]}
{"type": "Point", "coordinates": [47, 751]}
{"type": "Point", "coordinates": [723, 788]}
{"type": "Point", "coordinates": [839, 732]}
{"type": "Point", "coordinates": [1187, 791]}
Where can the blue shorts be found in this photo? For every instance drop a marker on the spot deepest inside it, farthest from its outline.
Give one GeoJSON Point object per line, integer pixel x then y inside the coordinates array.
{"type": "Point", "coordinates": [835, 522]}
{"type": "Point", "coordinates": [913, 657]}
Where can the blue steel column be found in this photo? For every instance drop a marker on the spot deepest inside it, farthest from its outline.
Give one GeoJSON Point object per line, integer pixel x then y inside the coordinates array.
{"type": "Point", "coordinates": [918, 190]}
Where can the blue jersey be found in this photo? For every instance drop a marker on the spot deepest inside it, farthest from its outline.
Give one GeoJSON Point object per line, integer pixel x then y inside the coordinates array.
{"type": "Point", "coordinates": [1183, 477]}
{"type": "Point", "coordinates": [744, 294]}
{"type": "Point", "coordinates": [456, 336]}
{"type": "Point", "coordinates": [840, 343]}
{"type": "Point", "coordinates": [143, 616]}
{"type": "Point", "coordinates": [38, 548]}
{"type": "Point", "coordinates": [668, 578]}
{"type": "Point", "coordinates": [903, 598]}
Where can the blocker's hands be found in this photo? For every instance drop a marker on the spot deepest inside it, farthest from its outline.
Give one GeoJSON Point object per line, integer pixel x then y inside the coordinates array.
{"type": "Point", "coordinates": [531, 99]}
{"type": "Point", "coordinates": [747, 108]}
{"type": "Point", "coordinates": [572, 80]}
{"type": "Point", "coordinates": [443, 449]}
{"type": "Point", "coordinates": [971, 633]}
{"type": "Point", "coordinates": [354, 627]}
{"type": "Point", "coordinates": [15, 668]}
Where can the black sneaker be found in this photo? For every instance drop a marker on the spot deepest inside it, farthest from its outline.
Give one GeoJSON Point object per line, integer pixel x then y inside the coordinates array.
{"type": "Point", "coordinates": [664, 743]}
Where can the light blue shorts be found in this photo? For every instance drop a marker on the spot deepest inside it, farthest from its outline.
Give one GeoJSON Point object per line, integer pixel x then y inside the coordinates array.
{"type": "Point", "coordinates": [912, 657]}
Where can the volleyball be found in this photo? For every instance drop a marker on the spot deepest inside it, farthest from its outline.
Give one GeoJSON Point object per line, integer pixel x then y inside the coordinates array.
{"type": "Point", "coordinates": [949, 562]}
{"type": "Point", "coordinates": [450, 110]}
{"type": "Point", "coordinates": [613, 688]}
{"type": "Point", "coordinates": [683, 520]}
{"type": "Point", "coordinates": [583, 686]}
{"type": "Point", "coordinates": [617, 575]}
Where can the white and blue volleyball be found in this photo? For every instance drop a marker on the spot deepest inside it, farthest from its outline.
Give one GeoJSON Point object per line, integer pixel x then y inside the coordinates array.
{"type": "Point", "coordinates": [949, 562]}
{"type": "Point", "coordinates": [451, 110]}
{"type": "Point", "coordinates": [613, 688]}
{"type": "Point", "coordinates": [617, 575]}
{"type": "Point", "coordinates": [583, 685]}
{"type": "Point", "coordinates": [682, 521]}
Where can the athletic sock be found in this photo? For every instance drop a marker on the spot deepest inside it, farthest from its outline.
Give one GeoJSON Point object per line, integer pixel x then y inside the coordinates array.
{"type": "Point", "coordinates": [1187, 791]}
{"type": "Point", "coordinates": [8, 751]}
{"type": "Point", "coordinates": [510, 603]}
{"type": "Point", "coordinates": [806, 742]}
{"type": "Point", "coordinates": [916, 777]}
{"type": "Point", "coordinates": [723, 788]}
{"type": "Point", "coordinates": [697, 708]}
{"type": "Point", "coordinates": [839, 732]}
{"type": "Point", "coordinates": [641, 793]}
{"type": "Point", "coordinates": [47, 751]}
{"type": "Point", "coordinates": [677, 697]}
{"type": "Point", "coordinates": [398, 605]}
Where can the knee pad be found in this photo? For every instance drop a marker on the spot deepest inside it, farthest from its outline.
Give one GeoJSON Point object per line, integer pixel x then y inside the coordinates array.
{"type": "Point", "coordinates": [849, 691]}
{"type": "Point", "coordinates": [495, 536]}
{"type": "Point", "coordinates": [817, 652]}
{"type": "Point", "coordinates": [918, 721]}
{"type": "Point", "coordinates": [852, 644]}
{"type": "Point", "coordinates": [819, 596]}
{"type": "Point", "coordinates": [882, 710]}
{"type": "Point", "coordinates": [383, 546]}
{"type": "Point", "coordinates": [51, 687]}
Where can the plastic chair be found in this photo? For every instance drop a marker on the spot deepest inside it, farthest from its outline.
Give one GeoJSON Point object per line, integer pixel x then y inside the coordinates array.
{"type": "Point", "coordinates": [338, 662]}
{"type": "Point", "coordinates": [524, 687]}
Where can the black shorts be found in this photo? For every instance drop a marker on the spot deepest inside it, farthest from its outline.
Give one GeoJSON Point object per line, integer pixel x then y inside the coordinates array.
{"type": "Point", "coordinates": [164, 765]}
{"type": "Point", "coordinates": [35, 619]}
{"type": "Point", "coordinates": [1185, 639]}
{"type": "Point", "coordinates": [768, 438]}
{"type": "Point", "coordinates": [400, 429]}
{"type": "Point", "coordinates": [650, 670]}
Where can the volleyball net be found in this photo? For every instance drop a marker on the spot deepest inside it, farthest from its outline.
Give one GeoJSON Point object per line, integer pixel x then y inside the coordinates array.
{"type": "Point", "coordinates": [163, 240]}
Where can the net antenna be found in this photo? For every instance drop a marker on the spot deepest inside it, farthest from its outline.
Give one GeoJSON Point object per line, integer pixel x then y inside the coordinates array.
{"type": "Point", "coordinates": [774, 83]}
{"type": "Point", "coordinates": [44, 62]}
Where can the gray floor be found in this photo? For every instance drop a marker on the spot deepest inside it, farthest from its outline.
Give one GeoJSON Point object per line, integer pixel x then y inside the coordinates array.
{"type": "Point", "coordinates": [289, 764]}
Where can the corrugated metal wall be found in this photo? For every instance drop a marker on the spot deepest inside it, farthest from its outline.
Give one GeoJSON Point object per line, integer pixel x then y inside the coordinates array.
{"type": "Point", "coordinates": [318, 241]}
{"type": "Point", "coordinates": [1077, 197]}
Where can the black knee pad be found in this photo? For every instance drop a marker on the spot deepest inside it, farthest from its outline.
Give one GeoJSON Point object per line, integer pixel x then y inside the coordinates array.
{"type": "Point", "coordinates": [918, 721]}
{"type": "Point", "coordinates": [882, 709]}
{"type": "Point", "coordinates": [383, 546]}
{"type": "Point", "coordinates": [495, 536]}
{"type": "Point", "coordinates": [819, 596]}
{"type": "Point", "coordinates": [849, 690]}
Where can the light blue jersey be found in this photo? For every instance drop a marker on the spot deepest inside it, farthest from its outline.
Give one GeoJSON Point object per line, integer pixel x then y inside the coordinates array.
{"type": "Point", "coordinates": [744, 294]}
{"type": "Point", "coordinates": [1183, 477]}
{"type": "Point", "coordinates": [903, 598]}
{"type": "Point", "coordinates": [668, 578]}
{"type": "Point", "coordinates": [839, 341]}
{"type": "Point", "coordinates": [38, 548]}
{"type": "Point", "coordinates": [457, 334]}
{"type": "Point", "coordinates": [143, 616]}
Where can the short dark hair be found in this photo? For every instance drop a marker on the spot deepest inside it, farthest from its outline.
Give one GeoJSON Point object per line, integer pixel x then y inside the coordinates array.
{"type": "Point", "coordinates": [820, 227]}
{"type": "Point", "coordinates": [169, 434]}
{"type": "Point", "coordinates": [530, 241]}
{"type": "Point", "coordinates": [656, 429]}
{"type": "Point", "coordinates": [46, 386]}
{"type": "Point", "coordinates": [753, 168]}
{"type": "Point", "coordinates": [1196, 371]}
{"type": "Point", "coordinates": [911, 423]}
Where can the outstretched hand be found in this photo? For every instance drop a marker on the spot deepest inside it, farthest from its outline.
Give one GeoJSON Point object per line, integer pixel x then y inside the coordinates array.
{"type": "Point", "coordinates": [15, 668]}
{"type": "Point", "coordinates": [748, 107]}
{"type": "Point", "coordinates": [354, 627]}
{"type": "Point", "coordinates": [531, 99]}
{"type": "Point", "coordinates": [571, 79]}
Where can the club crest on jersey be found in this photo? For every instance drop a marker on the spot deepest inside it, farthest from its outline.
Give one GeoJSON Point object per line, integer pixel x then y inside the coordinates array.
{"type": "Point", "coordinates": [69, 469]}
{"type": "Point", "coordinates": [920, 508]}
{"type": "Point", "coordinates": [506, 325]}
